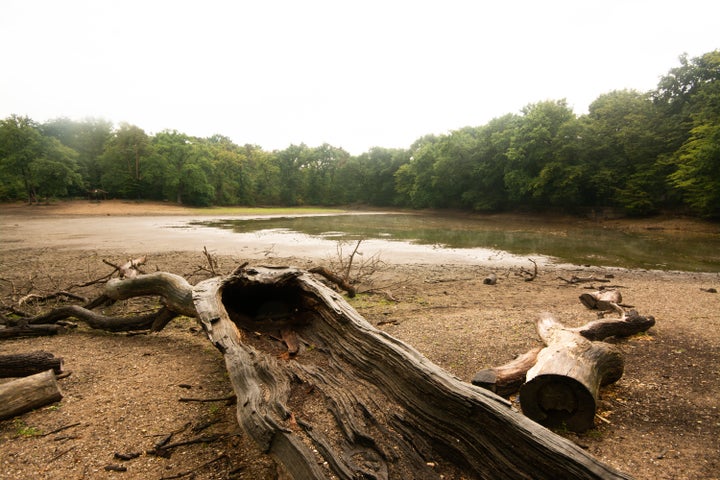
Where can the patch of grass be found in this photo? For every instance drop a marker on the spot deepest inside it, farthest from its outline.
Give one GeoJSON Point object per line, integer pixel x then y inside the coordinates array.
{"type": "Point", "coordinates": [24, 430]}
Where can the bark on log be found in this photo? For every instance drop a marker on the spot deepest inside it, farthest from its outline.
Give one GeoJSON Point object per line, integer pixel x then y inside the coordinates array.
{"type": "Point", "coordinates": [355, 402]}
{"type": "Point", "coordinates": [24, 364]}
{"type": "Point", "coordinates": [629, 324]}
{"type": "Point", "coordinates": [28, 393]}
{"type": "Point", "coordinates": [155, 320]}
{"type": "Point", "coordinates": [562, 388]}
{"type": "Point", "coordinates": [175, 291]}
{"type": "Point", "coordinates": [30, 331]}
{"type": "Point", "coordinates": [507, 379]}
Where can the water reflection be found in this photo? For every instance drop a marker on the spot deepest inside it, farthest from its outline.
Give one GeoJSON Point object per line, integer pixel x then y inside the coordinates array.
{"type": "Point", "coordinates": [566, 242]}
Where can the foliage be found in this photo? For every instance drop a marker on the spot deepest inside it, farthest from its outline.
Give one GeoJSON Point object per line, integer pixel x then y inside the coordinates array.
{"type": "Point", "coordinates": [640, 152]}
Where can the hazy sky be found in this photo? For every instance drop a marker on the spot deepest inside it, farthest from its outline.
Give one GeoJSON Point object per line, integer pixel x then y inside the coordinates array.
{"type": "Point", "coordinates": [354, 74]}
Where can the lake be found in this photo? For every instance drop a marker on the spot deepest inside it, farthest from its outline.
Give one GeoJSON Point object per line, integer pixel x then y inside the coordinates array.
{"type": "Point", "coordinates": [511, 239]}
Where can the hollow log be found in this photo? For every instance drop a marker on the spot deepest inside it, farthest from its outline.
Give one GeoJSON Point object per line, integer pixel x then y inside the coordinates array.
{"type": "Point", "coordinates": [24, 364]}
{"type": "Point", "coordinates": [353, 402]}
{"type": "Point", "coordinates": [28, 393]}
{"type": "Point", "coordinates": [562, 387]}
{"type": "Point", "coordinates": [507, 379]}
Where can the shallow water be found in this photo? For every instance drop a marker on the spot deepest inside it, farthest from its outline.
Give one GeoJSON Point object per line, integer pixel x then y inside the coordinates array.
{"type": "Point", "coordinates": [495, 241]}
{"type": "Point", "coordinates": [562, 242]}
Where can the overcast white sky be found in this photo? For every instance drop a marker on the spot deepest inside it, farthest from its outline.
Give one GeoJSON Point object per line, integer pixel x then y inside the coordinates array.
{"type": "Point", "coordinates": [354, 74]}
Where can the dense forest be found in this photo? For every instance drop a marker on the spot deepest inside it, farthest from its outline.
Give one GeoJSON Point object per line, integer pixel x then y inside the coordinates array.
{"type": "Point", "coordinates": [635, 152]}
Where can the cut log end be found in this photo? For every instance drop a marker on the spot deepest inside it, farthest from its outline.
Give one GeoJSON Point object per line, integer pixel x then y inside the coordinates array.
{"type": "Point", "coordinates": [28, 393]}
{"type": "Point", "coordinates": [558, 401]}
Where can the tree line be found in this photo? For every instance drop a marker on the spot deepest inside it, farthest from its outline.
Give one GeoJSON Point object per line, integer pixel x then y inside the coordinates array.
{"type": "Point", "coordinates": [639, 152]}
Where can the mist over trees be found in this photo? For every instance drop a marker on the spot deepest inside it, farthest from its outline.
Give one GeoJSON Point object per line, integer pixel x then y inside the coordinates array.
{"type": "Point", "coordinates": [637, 152]}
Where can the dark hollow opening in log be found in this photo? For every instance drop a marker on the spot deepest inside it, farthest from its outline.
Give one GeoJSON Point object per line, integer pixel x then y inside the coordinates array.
{"type": "Point", "coordinates": [271, 314]}
{"type": "Point", "coordinates": [558, 401]}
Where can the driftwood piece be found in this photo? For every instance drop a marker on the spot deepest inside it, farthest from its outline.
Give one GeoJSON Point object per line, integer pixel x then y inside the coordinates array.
{"type": "Point", "coordinates": [630, 323]}
{"type": "Point", "coordinates": [357, 403]}
{"type": "Point", "coordinates": [507, 379]}
{"type": "Point", "coordinates": [575, 279]}
{"type": "Point", "coordinates": [24, 364]}
{"type": "Point", "coordinates": [562, 387]}
{"type": "Point", "coordinates": [336, 279]}
{"type": "Point", "coordinates": [491, 279]}
{"type": "Point", "coordinates": [603, 300]}
{"type": "Point", "coordinates": [43, 324]}
{"type": "Point", "coordinates": [130, 268]}
{"type": "Point", "coordinates": [32, 297]}
{"type": "Point", "coordinates": [28, 393]}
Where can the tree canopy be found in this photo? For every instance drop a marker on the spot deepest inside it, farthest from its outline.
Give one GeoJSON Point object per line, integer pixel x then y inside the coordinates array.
{"type": "Point", "coordinates": [637, 152]}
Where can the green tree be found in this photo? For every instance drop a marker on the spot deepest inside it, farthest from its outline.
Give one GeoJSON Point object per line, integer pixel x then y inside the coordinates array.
{"type": "Point", "coordinates": [123, 162]}
{"type": "Point", "coordinates": [370, 177]}
{"type": "Point", "coordinates": [292, 168]}
{"type": "Point", "coordinates": [88, 139]}
{"type": "Point", "coordinates": [30, 162]}
{"type": "Point", "coordinates": [536, 140]}
{"type": "Point", "coordinates": [414, 179]}
{"type": "Point", "coordinates": [696, 85]}
{"type": "Point", "coordinates": [187, 167]}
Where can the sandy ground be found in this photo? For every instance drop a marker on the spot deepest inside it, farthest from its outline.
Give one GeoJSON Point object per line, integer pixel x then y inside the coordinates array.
{"type": "Point", "coordinates": [661, 420]}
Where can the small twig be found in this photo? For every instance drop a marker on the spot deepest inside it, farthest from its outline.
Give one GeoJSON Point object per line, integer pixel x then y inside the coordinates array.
{"type": "Point", "coordinates": [212, 262]}
{"type": "Point", "coordinates": [350, 261]}
{"type": "Point", "coordinates": [102, 279]}
{"type": "Point", "coordinates": [190, 472]}
{"type": "Point", "coordinates": [34, 297]}
{"type": "Point", "coordinates": [115, 468]}
{"type": "Point", "coordinates": [603, 418]}
{"type": "Point", "coordinates": [219, 399]}
{"type": "Point", "coordinates": [126, 456]}
{"type": "Point", "coordinates": [60, 454]}
{"type": "Point", "coordinates": [164, 450]}
{"type": "Point", "coordinates": [60, 429]}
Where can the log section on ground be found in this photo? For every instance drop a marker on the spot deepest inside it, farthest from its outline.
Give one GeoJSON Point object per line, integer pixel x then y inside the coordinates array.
{"type": "Point", "coordinates": [24, 364]}
{"type": "Point", "coordinates": [27, 393]}
{"type": "Point", "coordinates": [349, 401]}
{"type": "Point", "coordinates": [507, 379]}
{"type": "Point", "coordinates": [562, 387]}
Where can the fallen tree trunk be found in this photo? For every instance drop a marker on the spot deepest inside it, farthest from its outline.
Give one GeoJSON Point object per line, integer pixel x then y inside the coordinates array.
{"type": "Point", "coordinates": [354, 402]}
{"type": "Point", "coordinates": [24, 364]}
{"type": "Point", "coordinates": [28, 393]}
{"type": "Point", "coordinates": [562, 387]}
